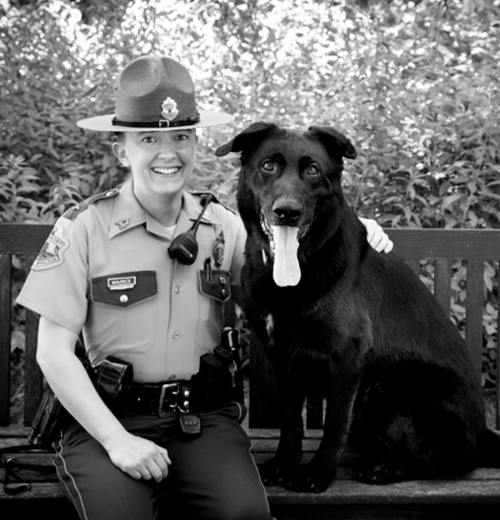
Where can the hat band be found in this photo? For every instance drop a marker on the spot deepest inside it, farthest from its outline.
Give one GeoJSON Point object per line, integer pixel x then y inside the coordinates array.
{"type": "Point", "coordinates": [162, 123]}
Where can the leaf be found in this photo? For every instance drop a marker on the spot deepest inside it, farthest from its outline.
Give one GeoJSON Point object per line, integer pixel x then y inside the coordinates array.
{"type": "Point", "coordinates": [450, 200]}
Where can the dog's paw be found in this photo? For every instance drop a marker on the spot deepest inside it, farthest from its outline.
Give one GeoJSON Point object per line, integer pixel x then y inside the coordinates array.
{"type": "Point", "coordinates": [380, 474]}
{"type": "Point", "coordinates": [275, 472]}
{"type": "Point", "coordinates": [310, 479]}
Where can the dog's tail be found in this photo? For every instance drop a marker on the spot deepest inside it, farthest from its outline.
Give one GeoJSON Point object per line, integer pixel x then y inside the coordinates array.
{"type": "Point", "coordinates": [488, 449]}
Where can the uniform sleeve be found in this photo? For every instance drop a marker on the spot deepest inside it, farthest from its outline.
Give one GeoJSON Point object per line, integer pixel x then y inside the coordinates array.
{"type": "Point", "coordinates": [57, 285]}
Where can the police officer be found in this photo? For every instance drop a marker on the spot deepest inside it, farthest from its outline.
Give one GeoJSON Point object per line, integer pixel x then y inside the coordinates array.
{"type": "Point", "coordinates": [109, 272]}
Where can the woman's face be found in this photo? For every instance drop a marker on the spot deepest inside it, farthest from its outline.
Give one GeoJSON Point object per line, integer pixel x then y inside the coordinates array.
{"type": "Point", "coordinates": [161, 162]}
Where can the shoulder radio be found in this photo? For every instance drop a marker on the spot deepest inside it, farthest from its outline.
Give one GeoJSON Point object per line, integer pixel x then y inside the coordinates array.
{"type": "Point", "coordinates": [184, 247]}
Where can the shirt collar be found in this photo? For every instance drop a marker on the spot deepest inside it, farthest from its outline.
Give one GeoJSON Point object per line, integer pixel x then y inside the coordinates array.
{"type": "Point", "coordinates": [191, 209]}
{"type": "Point", "coordinates": [128, 213]}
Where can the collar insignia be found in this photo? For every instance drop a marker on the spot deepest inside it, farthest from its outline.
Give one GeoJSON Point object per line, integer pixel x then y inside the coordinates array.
{"type": "Point", "coordinates": [123, 223]}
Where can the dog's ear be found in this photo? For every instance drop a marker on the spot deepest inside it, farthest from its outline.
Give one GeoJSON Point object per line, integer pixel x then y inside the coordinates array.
{"type": "Point", "coordinates": [247, 140]}
{"type": "Point", "coordinates": [335, 143]}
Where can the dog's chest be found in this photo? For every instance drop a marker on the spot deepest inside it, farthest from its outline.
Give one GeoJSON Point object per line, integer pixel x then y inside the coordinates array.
{"type": "Point", "coordinates": [287, 331]}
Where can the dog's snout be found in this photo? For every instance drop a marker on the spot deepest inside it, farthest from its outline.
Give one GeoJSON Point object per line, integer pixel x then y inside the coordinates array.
{"type": "Point", "coordinates": [287, 210]}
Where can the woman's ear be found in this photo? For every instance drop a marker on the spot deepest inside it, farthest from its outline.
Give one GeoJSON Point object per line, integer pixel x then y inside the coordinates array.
{"type": "Point", "coordinates": [120, 153]}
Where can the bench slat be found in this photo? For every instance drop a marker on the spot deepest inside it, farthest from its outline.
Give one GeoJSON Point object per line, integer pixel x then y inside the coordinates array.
{"type": "Point", "coordinates": [314, 412]}
{"type": "Point", "coordinates": [497, 393]}
{"type": "Point", "coordinates": [442, 283]}
{"type": "Point", "coordinates": [5, 334]}
{"type": "Point", "coordinates": [452, 244]}
{"type": "Point", "coordinates": [263, 410]}
{"type": "Point", "coordinates": [24, 239]}
{"type": "Point", "coordinates": [414, 265]}
{"type": "Point", "coordinates": [33, 379]}
{"type": "Point", "coordinates": [474, 313]}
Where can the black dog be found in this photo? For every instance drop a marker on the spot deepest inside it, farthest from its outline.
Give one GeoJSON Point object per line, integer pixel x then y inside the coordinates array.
{"type": "Point", "coordinates": [339, 318]}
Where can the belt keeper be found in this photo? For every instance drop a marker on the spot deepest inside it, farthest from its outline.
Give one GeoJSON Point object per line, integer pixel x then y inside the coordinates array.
{"type": "Point", "coordinates": [182, 398]}
{"type": "Point", "coordinates": [186, 398]}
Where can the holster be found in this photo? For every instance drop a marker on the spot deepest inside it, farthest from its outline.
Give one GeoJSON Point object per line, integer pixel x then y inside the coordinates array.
{"type": "Point", "coordinates": [112, 379]}
{"type": "Point", "coordinates": [49, 419]}
{"type": "Point", "coordinates": [219, 380]}
{"type": "Point", "coordinates": [113, 382]}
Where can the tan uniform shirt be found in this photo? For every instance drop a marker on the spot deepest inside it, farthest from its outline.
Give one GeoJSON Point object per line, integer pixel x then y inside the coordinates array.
{"type": "Point", "coordinates": [105, 270]}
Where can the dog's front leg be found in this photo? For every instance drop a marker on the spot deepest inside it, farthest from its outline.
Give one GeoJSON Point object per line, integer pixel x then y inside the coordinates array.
{"type": "Point", "coordinates": [283, 467]}
{"type": "Point", "coordinates": [317, 475]}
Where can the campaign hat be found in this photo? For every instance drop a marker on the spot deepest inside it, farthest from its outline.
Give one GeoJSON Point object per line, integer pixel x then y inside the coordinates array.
{"type": "Point", "coordinates": [154, 93]}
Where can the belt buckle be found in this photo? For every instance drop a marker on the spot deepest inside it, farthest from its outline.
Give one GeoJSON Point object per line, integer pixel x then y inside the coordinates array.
{"type": "Point", "coordinates": [164, 389]}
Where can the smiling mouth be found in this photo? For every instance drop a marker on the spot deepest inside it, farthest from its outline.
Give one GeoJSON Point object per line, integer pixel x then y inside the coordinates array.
{"type": "Point", "coordinates": [166, 171]}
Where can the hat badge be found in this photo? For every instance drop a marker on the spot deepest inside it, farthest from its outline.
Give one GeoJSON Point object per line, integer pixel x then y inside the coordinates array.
{"type": "Point", "coordinates": [169, 109]}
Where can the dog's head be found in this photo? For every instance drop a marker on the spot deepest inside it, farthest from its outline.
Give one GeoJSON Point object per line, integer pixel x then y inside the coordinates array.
{"type": "Point", "coordinates": [289, 191]}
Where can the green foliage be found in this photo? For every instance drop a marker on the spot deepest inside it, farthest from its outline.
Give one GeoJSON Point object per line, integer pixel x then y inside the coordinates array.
{"type": "Point", "coordinates": [415, 85]}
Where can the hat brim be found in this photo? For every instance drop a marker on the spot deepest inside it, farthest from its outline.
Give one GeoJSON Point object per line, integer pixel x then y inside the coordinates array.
{"type": "Point", "coordinates": [105, 123]}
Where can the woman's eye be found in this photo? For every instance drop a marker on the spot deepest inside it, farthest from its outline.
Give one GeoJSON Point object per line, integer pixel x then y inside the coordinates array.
{"type": "Point", "coordinates": [312, 169]}
{"type": "Point", "coordinates": [148, 139]}
{"type": "Point", "coordinates": [268, 166]}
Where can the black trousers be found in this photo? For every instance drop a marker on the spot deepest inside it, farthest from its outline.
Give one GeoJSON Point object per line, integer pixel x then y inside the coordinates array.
{"type": "Point", "coordinates": [212, 476]}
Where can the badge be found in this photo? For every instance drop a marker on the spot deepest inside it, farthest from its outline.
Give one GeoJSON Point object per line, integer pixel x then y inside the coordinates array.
{"type": "Point", "coordinates": [219, 249]}
{"type": "Point", "coordinates": [169, 109]}
{"type": "Point", "coordinates": [51, 254]}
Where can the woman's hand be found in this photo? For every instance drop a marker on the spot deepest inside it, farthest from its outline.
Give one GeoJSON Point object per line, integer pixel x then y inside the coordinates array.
{"type": "Point", "coordinates": [139, 457]}
{"type": "Point", "coordinates": [376, 236]}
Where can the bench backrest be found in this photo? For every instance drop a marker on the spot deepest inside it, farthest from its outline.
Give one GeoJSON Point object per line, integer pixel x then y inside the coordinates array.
{"type": "Point", "coordinates": [443, 247]}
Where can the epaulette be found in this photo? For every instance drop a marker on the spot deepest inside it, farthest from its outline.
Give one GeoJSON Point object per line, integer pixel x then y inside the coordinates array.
{"type": "Point", "coordinates": [200, 193]}
{"type": "Point", "coordinates": [73, 212]}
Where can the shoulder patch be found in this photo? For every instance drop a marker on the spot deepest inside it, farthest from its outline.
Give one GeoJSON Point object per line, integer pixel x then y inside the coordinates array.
{"type": "Point", "coordinates": [52, 252]}
{"type": "Point", "coordinates": [73, 212]}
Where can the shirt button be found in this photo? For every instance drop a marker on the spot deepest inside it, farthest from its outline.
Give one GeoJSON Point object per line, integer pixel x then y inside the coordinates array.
{"type": "Point", "coordinates": [176, 334]}
{"type": "Point", "coordinates": [123, 298]}
{"type": "Point", "coordinates": [177, 289]}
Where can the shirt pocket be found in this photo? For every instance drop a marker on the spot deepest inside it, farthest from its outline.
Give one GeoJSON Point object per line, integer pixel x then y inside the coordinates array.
{"type": "Point", "coordinates": [124, 289]}
{"type": "Point", "coordinates": [215, 288]}
{"type": "Point", "coordinates": [216, 284]}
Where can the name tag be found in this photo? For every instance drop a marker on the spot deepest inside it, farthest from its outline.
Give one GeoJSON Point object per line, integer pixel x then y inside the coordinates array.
{"type": "Point", "coordinates": [121, 284]}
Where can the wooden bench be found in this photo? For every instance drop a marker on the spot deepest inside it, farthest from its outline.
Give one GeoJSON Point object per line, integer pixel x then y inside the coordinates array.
{"type": "Point", "coordinates": [475, 496]}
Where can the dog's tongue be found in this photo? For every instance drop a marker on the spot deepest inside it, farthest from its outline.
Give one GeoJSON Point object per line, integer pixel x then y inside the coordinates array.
{"type": "Point", "coordinates": [286, 269]}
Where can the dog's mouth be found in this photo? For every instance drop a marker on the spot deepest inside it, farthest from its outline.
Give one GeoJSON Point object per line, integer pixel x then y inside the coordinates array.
{"type": "Point", "coordinates": [284, 245]}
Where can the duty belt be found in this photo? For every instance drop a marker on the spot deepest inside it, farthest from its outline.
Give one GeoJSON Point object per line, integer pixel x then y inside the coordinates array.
{"type": "Point", "coordinates": [159, 398]}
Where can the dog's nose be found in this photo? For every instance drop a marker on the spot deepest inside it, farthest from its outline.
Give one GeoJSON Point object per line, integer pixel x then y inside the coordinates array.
{"type": "Point", "coordinates": [287, 210]}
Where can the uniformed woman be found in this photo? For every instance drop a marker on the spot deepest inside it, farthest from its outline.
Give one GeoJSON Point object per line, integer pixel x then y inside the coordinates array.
{"type": "Point", "coordinates": [109, 272]}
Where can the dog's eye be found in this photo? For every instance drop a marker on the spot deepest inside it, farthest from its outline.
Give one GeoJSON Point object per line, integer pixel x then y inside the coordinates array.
{"type": "Point", "coordinates": [268, 166]}
{"type": "Point", "coordinates": [312, 170]}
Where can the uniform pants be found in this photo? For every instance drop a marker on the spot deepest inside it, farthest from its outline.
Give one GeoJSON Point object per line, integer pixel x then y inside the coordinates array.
{"type": "Point", "coordinates": [212, 476]}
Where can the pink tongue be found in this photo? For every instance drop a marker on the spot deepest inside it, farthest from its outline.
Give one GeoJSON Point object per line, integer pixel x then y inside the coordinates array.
{"type": "Point", "coordinates": [286, 270]}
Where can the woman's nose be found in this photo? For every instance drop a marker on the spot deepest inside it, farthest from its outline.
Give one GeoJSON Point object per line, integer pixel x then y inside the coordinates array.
{"type": "Point", "coordinates": [167, 150]}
